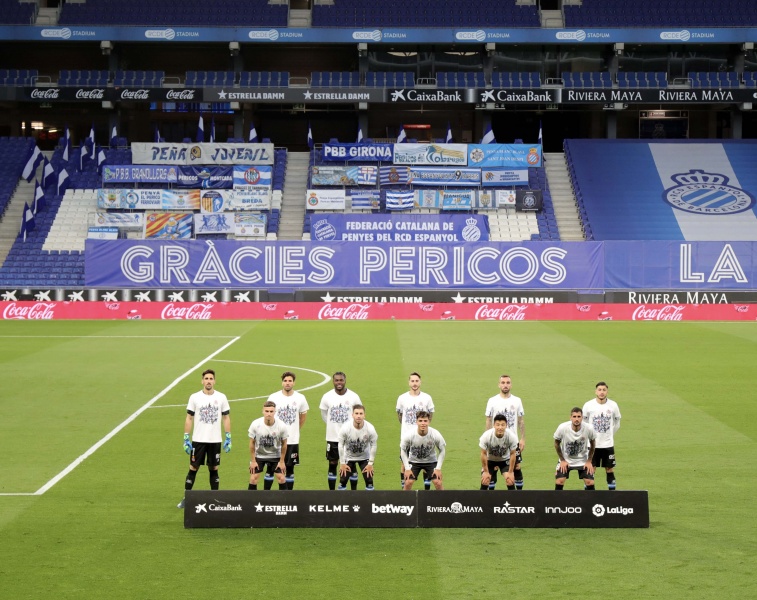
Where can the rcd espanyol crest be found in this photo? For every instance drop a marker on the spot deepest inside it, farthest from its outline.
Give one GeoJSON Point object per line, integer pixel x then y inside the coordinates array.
{"type": "Point", "coordinates": [707, 194]}
{"type": "Point", "coordinates": [471, 232]}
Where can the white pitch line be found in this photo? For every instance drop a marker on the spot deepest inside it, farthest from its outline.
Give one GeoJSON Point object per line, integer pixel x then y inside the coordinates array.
{"type": "Point", "coordinates": [133, 416]}
{"type": "Point", "coordinates": [326, 379]}
{"type": "Point", "coordinates": [135, 337]}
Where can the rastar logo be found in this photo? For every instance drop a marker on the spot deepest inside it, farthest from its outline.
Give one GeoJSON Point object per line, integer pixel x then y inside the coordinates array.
{"type": "Point", "coordinates": [38, 310]}
{"type": "Point", "coordinates": [353, 312]}
{"type": "Point", "coordinates": [507, 509]}
{"type": "Point", "coordinates": [669, 312]}
{"type": "Point", "coordinates": [392, 509]}
{"type": "Point", "coordinates": [511, 312]}
{"type": "Point", "coordinates": [199, 312]}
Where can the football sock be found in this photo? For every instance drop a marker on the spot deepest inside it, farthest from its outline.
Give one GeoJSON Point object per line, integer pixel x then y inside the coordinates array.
{"type": "Point", "coordinates": [492, 485]}
{"type": "Point", "coordinates": [290, 482]}
{"type": "Point", "coordinates": [332, 476]}
{"type": "Point", "coordinates": [353, 481]}
{"type": "Point", "coordinates": [511, 487]}
{"type": "Point", "coordinates": [485, 487]}
{"type": "Point", "coordinates": [611, 481]}
{"type": "Point", "coordinates": [190, 480]}
{"type": "Point", "coordinates": [558, 486]}
{"type": "Point", "coordinates": [214, 479]}
{"type": "Point", "coordinates": [426, 484]}
{"type": "Point", "coordinates": [518, 478]}
{"type": "Point", "coordinates": [590, 487]}
{"type": "Point", "coordinates": [283, 486]}
{"type": "Point", "coordinates": [252, 486]}
{"type": "Point", "coordinates": [267, 482]}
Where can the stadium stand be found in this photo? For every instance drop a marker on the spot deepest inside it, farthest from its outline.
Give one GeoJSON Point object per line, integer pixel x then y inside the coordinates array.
{"type": "Point", "coordinates": [660, 13]}
{"type": "Point", "coordinates": [13, 12]}
{"type": "Point", "coordinates": [425, 13]}
{"type": "Point", "coordinates": [230, 13]}
{"type": "Point", "coordinates": [632, 79]}
{"type": "Point", "coordinates": [139, 78]}
{"type": "Point", "coordinates": [17, 76]}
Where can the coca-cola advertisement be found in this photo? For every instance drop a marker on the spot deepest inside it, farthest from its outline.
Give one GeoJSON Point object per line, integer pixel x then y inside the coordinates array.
{"type": "Point", "coordinates": [67, 94]}
{"type": "Point", "coordinates": [373, 311]}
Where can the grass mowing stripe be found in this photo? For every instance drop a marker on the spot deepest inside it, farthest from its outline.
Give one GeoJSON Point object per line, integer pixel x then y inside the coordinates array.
{"type": "Point", "coordinates": [124, 423]}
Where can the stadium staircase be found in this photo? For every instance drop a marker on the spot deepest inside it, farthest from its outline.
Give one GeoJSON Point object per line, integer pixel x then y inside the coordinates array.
{"type": "Point", "coordinates": [293, 198]}
{"type": "Point", "coordinates": [11, 220]}
{"type": "Point", "coordinates": [563, 199]}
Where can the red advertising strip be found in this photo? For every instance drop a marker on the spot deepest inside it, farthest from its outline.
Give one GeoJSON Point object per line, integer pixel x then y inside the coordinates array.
{"type": "Point", "coordinates": [313, 311]}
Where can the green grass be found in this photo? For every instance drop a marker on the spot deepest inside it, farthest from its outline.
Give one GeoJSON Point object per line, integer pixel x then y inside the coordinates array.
{"type": "Point", "coordinates": [110, 529]}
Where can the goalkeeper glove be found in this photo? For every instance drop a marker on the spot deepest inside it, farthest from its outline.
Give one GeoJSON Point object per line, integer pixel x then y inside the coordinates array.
{"type": "Point", "coordinates": [187, 444]}
{"type": "Point", "coordinates": [227, 442]}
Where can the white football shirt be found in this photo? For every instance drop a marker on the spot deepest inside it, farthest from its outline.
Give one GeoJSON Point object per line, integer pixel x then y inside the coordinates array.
{"type": "Point", "coordinates": [408, 406]}
{"type": "Point", "coordinates": [511, 407]}
{"type": "Point", "coordinates": [288, 410]}
{"type": "Point", "coordinates": [605, 419]}
{"type": "Point", "coordinates": [357, 444]}
{"type": "Point", "coordinates": [338, 411]}
{"type": "Point", "coordinates": [416, 448]}
{"type": "Point", "coordinates": [207, 410]}
{"type": "Point", "coordinates": [575, 444]}
{"type": "Point", "coordinates": [268, 438]}
{"type": "Point", "coordinates": [498, 449]}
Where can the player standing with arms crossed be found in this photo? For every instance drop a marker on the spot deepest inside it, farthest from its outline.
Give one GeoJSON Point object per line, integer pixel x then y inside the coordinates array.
{"type": "Point", "coordinates": [603, 415]}
{"type": "Point", "coordinates": [511, 407]}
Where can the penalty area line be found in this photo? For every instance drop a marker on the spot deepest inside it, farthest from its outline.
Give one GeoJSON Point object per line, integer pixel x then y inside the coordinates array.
{"type": "Point", "coordinates": [128, 420]}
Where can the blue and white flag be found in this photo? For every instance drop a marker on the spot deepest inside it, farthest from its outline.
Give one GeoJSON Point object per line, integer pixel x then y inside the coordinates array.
{"type": "Point", "coordinates": [156, 137]}
{"type": "Point", "coordinates": [448, 139]}
{"type": "Point", "coordinates": [67, 148]}
{"type": "Point", "coordinates": [113, 137]}
{"type": "Point", "coordinates": [402, 137]}
{"type": "Point", "coordinates": [310, 136]}
{"type": "Point", "coordinates": [399, 200]}
{"type": "Point", "coordinates": [539, 140]}
{"type": "Point", "coordinates": [100, 159]}
{"type": "Point", "coordinates": [368, 199]}
{"type": "Point", "coordinates": [253, 138]}
{"type": "Point", "coordinates": [212, 130]}
{"type": "Point", "coordinates": [488, 136]}
{"type": "Point", "coordinates": [48, 174]}
{"type": "Point", "coordinates": [39, 198]}
{"type": "Point", "coordinates": [28, 218]}
{"type": "Point", "coordinates": [67, 136]}
{"type": "Point", "coordinates": [200, 130]}
{"type": "Point", "coordinates": [394, 175]}
{"type": "Point", "coordinates": [31, 165]}
{"type": "Point", "coordinates": [359, 135]}
{"type": "Point", "coordinates": [82, 156]}
{"type": "Point", "coordinates": [63, 180]}
{"type": "Point", "coordinates": [92, 134]}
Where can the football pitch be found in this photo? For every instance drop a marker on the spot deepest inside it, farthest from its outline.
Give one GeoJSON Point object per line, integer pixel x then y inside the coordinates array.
{"type": "Point", "coordinates": [92, 419]}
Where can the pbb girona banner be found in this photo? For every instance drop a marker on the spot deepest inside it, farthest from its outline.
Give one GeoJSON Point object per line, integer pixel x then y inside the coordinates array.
{"type": "Point", "coordinates": [374, 311]}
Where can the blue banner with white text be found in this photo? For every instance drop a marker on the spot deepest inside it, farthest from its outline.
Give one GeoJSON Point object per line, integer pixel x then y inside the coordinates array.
{"type": "Point", "coordinates": [139, 174]}
{"type": "Point", "coordinates": [504, 155]}
{"type": "Point", "coordinates": [400, 228]}
{"type": "Point", "coordinates": [357, 152]}
{"type": "Point", "coordinates": [205, 177]}
{"type": "Point", "coordinates": [344, 264]}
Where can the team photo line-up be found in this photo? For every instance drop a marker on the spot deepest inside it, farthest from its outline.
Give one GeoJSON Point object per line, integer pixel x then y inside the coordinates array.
{"type": "Point", "coordinates": [582, 444]}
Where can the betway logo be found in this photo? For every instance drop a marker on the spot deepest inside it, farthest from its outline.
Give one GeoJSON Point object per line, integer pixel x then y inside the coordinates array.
{"type": "Point", "coordinates": [669, 312]}
{"type": "Point", "coordinates": [392, 509]}
{"type": "Point", "coordinates": [199, 311]}
{"type": "Point", "coordinates": [511, 312]}
{"type": "Point", "coordinates": [353, 312]}
{"type": "Point", "coordinates": [38, 310]}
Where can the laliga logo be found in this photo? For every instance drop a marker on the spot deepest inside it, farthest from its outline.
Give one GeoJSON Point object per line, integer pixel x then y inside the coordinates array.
{"type": "Point", "coordinates": [511, 312]}
{"type": "Point", "coordinates": [367, 36]}
{"type": "Point", "coordinates": [682, 36]}
{"type": "Point", "coordinates": [271, 35]}
{"type": "Point", "coordinates": [39, 310]}
{"type": "Point", "coordinates": [353, 312]}
{"type": "Point", "coordinates": [668, 312]}
{"type": "Point", "coordinates": [160, 34]}
{"type": "Point", "coordinates": [477, 36]}
{"type": "Point", "coordinates": [63, 33]}
{"type": "Point", "coordinates": [578, 36]}
{"type": "Point", "coordinates": [199, 312]}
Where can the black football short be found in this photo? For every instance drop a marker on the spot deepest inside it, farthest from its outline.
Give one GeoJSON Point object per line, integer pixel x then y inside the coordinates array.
{"type": "Point", "coordinates": [332, 452]}
{"type": "Point", "coordinates": [427, 468]}
{"type": "Point", "coordinates": [292, 457]}
{"type": "Point", "coordinates": [582, 473]}
{"type": "Point", "coordinates": [604, 457]}
{"type": "Point", "coordinates": [270, 466]}
{"type": "Point", "coordinates": [203, 452]}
